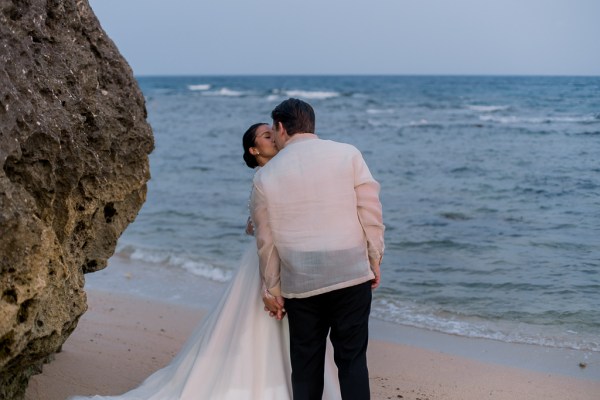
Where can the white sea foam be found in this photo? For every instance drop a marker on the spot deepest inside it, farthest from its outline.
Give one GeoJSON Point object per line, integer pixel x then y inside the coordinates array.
{"type": "Point", "coordinates": [190, 264]}
{"type": "Point", "coordinates": [422, 121]}
{"type": "Point", "coordinates": [380, 111]}
{"type": "Point", "coordinates": [277, 94]}
{"type": "Point", "coordinates": [306, 94]}
{"type": "Point", "coordinates": [511, 332]}
{"type": "Point", "coordinates": [201, 268]}
{"type": "Point", "coordinates": [487, 109]}
{"type": "Point", "coordinates": [512, 119]}
{"type": "Point", "coordinates": [387, 122]}
{"type": "Point", "coordinates": [225, 92]}
{"type": "Point", "coordinates": [200, 87]}
{"type": "Point", "coordinates": [397, 123]}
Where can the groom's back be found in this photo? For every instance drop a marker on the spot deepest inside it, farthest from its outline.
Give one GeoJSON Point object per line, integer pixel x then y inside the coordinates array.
{"type": "Point", "coordinates": [310, 189]}
{"type": "Point", "coordinates": [312, 209]}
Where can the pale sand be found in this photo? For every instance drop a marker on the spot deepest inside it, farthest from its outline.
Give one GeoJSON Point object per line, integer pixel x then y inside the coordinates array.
{"type": "Point", "coordinates": [121, 340]}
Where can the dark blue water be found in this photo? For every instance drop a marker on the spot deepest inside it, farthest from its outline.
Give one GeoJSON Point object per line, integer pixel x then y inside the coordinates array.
{"type": "Point", "coordinates": [490, 189]}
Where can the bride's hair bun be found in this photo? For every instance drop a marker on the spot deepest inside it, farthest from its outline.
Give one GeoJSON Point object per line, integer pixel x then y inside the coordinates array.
{"type": "Point", "coordinates": [250, 160]}
{"type": "Point", "coordinates": [248, 141]}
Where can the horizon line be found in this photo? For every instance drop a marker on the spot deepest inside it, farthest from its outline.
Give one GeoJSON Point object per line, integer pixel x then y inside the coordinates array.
{"type": "Point", "coordinates": [184, 75]}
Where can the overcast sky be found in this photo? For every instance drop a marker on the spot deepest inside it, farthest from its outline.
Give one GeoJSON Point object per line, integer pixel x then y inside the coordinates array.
{"type": "Point", "coordinates": [223, 37]}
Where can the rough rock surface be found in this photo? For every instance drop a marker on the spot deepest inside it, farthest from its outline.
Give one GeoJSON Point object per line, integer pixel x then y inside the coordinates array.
{"type": "Point", "coordinates": [74, 145]}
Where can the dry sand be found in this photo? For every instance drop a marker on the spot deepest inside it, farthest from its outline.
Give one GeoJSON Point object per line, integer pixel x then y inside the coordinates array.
{"type": "Point", "coordinates": [122, 339]}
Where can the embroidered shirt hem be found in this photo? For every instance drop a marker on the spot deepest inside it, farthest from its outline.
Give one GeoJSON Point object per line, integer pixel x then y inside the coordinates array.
{"type": "Point", "coordinates": [331, 288]}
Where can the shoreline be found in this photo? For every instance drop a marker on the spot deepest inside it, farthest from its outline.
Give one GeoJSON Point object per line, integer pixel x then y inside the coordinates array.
{"type": "Point", "coordinates": [124, 338]}
{"type": "Point", "coordinates": [528, 357]}
{"type": "Point", "coordinates": [167, 284]}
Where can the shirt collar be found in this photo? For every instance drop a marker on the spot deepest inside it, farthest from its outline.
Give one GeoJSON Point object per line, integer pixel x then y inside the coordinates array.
{"type": "Point", "coordinates": [300, 137]}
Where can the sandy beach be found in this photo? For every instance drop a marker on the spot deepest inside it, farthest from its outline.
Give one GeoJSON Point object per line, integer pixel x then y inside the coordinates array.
{"type": "Point", "coordinates": [122, 339]}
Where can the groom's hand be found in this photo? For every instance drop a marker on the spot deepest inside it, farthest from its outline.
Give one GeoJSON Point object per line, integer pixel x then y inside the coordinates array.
{"type": "Point", "coordinates": [375, 267]}
{"type": "Point", "coordinates": [274, 305]}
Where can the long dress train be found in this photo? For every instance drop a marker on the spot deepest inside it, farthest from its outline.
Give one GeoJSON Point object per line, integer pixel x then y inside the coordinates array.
{"type": "Point", "coordinates": [236, 353]}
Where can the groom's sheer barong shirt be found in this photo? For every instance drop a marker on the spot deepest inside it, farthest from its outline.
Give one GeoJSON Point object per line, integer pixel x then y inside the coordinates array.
{"type": "Point", "coordinates": [317, 217]}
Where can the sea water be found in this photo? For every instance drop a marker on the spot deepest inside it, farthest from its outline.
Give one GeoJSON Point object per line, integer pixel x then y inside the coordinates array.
{"type": "Point", "coordinates": [490, 189]}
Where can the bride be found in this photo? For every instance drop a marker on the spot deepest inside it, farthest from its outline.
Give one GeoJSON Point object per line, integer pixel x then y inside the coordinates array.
{"type": "Point", "coordinates": [237, 352]}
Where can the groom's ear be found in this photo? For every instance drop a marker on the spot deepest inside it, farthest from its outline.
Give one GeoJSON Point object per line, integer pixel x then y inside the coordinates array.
{"type": "Point", "coordinates": [281, 128]}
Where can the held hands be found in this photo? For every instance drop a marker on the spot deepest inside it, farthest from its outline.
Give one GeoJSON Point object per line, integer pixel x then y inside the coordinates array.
{"type": "Point", "coordinates": [274, 305]}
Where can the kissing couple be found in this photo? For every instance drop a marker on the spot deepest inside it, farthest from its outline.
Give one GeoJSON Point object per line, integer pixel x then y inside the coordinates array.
{"type": "Point", "coordinates": [317, 220]}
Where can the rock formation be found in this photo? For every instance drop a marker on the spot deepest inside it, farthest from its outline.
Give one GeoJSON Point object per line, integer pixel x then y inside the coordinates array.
{"type": "Point", "coordinates": [74, 145]}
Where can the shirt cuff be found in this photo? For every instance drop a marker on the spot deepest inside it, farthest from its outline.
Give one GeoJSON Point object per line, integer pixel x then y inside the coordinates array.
{"type": "Point", "coordinates": [275, 290]}
{"type": "Point", "coordinates": [375, 255]}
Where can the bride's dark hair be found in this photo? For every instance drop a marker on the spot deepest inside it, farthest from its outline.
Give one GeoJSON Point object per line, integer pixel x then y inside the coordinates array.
{"type": "Point", "coordinates": [249, 140]}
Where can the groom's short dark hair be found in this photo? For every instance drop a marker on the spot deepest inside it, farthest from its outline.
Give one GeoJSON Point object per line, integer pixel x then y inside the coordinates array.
{"type": "Point", "coordinates": [295, 115]}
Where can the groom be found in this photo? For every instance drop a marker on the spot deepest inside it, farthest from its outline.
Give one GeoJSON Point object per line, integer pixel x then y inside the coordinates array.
{"type": "Point", "coordinates": [319, 233]}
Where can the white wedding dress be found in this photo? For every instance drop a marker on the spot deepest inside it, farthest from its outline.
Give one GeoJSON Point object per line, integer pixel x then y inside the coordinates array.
{"type": "Point", "coordinates": [237, 352]}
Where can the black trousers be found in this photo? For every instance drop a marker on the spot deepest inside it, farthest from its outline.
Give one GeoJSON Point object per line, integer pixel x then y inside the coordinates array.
{"type": "Point", "coordinates": [346, 313]}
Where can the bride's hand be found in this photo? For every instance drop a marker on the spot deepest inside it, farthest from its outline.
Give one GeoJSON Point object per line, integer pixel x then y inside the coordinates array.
{"type": "Point", "coordinates": [274, 315]}
{"type": "Point", "coordinates": [249, 227]}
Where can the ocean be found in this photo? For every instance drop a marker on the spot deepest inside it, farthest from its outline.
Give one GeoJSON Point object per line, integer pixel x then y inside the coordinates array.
{"type": "Point", "coordinates": [490, 188]}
